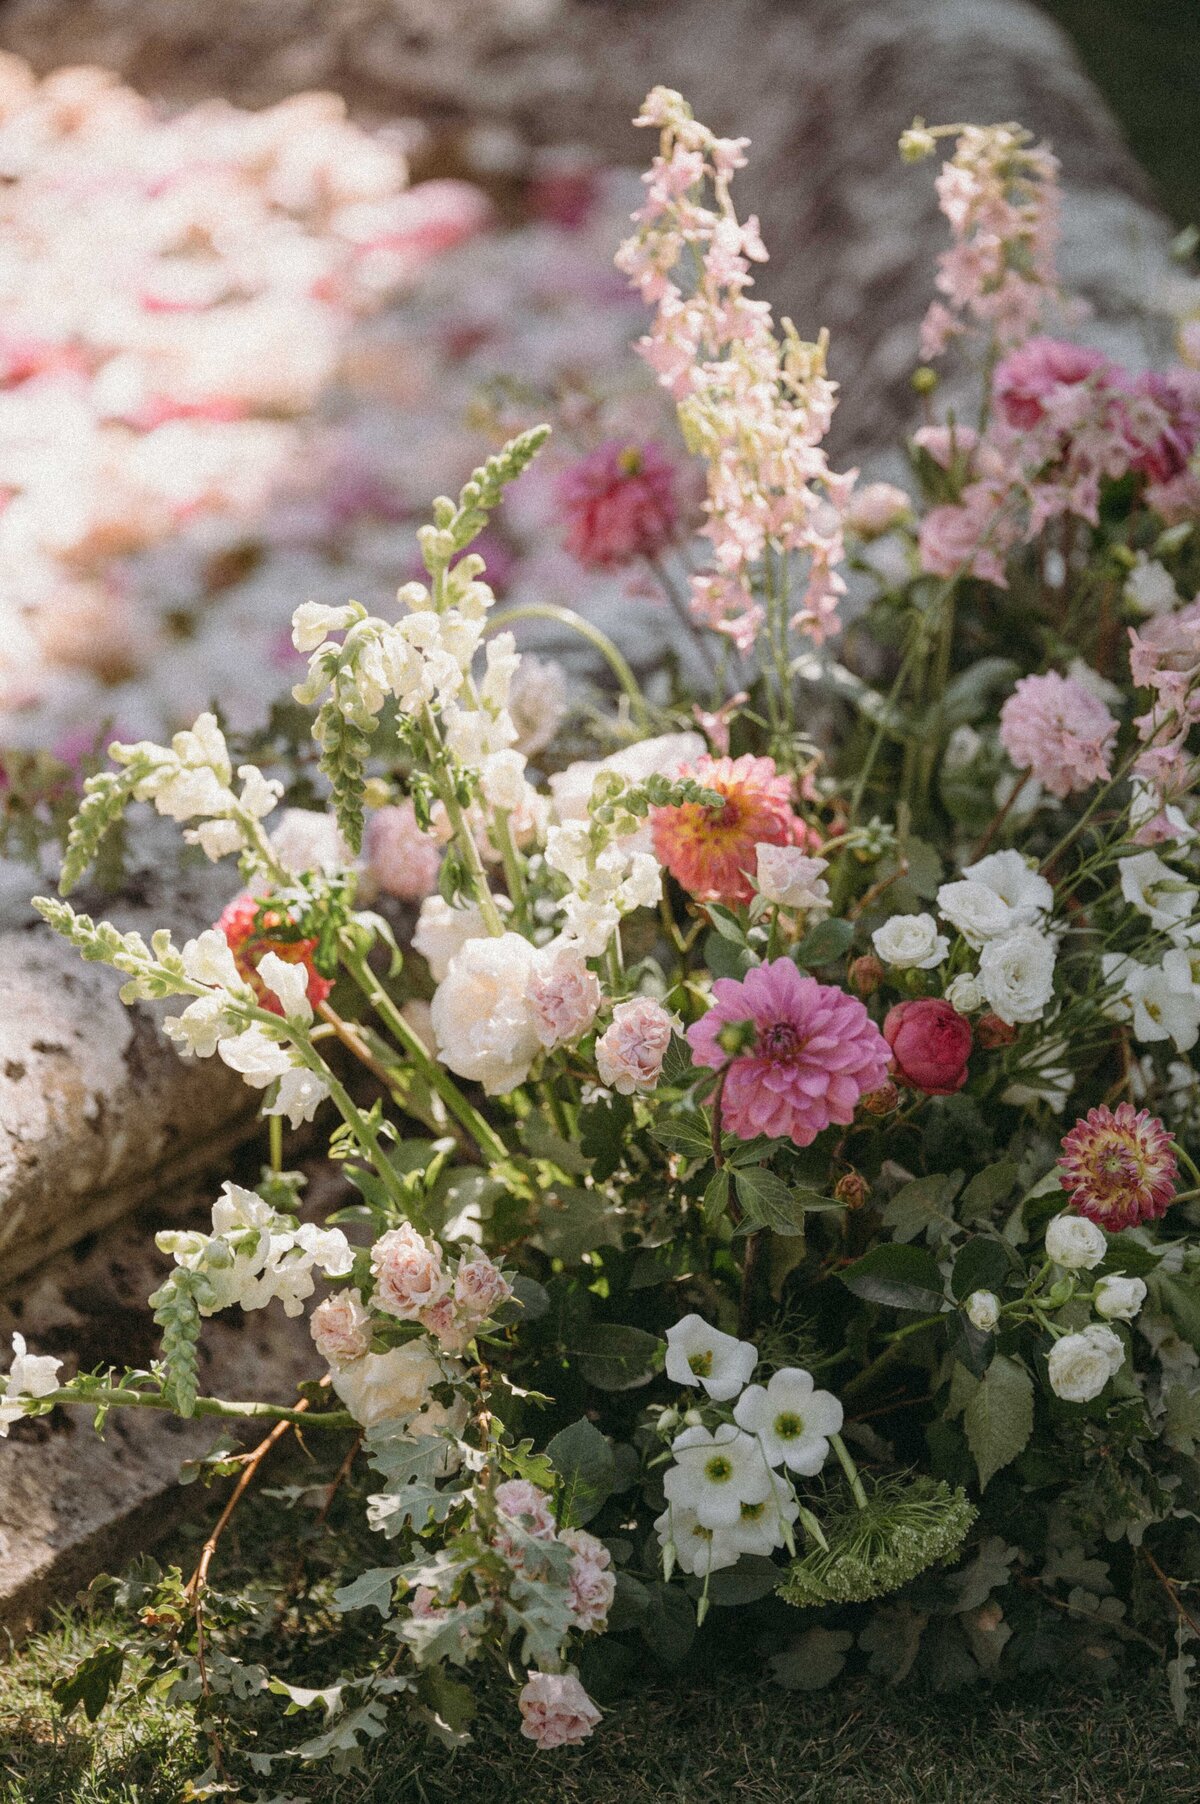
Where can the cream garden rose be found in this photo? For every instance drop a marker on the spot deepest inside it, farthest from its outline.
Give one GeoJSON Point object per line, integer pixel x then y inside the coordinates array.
{"type": "Point", "coordinates": [482, 1020]}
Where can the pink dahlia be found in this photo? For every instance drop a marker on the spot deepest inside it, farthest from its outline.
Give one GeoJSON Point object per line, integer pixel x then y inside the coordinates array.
{"type": "Point", "coordinates": [711, 852]}
{"type": "Point", "coordinates": [816, 1051]}
{"type": "Point", "coordinates": [1027, 378]}
{"type": "Point", "coordinates": [1119, 1166]}
{"type": "Point", "coordinates": [1058, 730]}
{"type": "Point", "coordinates": [620, 503]}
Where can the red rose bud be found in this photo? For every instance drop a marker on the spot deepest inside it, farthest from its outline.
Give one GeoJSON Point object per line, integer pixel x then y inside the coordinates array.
{"type": "Point", "coordinates": [882, 1101]}
{"type": "Point", "coordinates": [931, 1043]}
{"type": "Point", "coordinates": [852, 1189]}
{"type": "Point", "coordinates": [865, 974]}
{"type": "Point", "coordinates": [993, 1032]}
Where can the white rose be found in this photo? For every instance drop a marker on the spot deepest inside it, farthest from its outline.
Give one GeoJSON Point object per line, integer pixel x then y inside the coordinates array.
{"type": "Point", "coordinates": [1080, 1365]}
{"type": "Point", "coordinates": [1016, 975]}
{"type": "Point", "coordinates": [443, 931]}
{"type": "Point", "coordinates": [385, 1387]}
{"type": "Point", "coordinates": [976, 911]}
{"type": "Point", "coordinates": [1118, 1299]}
{"type": "Point", "coordinates": [910, 943]}
{"type": "Point", "coordinates": [964, 994]}
{"type": "Point", "coordinates": [1074, 1242]}
{"type": "Point", "coordinates": [482, 1020]}
{"type": "Point", "coordinates": [983, 1310]}
{"type": "Point", "coordinates": [790, 878]}
{"type": "Point", "coordinates": [1025, 890]}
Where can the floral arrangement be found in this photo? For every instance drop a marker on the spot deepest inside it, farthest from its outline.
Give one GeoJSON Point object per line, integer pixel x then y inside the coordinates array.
{"type": "Point", "coordinates": [773, 1146]}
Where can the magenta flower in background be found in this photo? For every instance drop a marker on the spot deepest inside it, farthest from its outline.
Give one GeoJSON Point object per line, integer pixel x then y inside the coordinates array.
{"type": "Point", "coordinates": [815, 1053]}
{"type": "Point", "coordinates": [619, 503]}
{"type": "Point", "coordinates": [1028, 378]}
{"type": "Point", "coordinates": [1059, 731]}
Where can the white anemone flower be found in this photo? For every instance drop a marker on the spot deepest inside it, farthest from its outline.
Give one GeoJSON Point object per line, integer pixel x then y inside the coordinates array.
{"type": "Point", "coordinates": [715, 1473]}
{"type": "Point", "coordinates": [792, 1420]}
{"type": "Point", "coordinates": [698, 1353]}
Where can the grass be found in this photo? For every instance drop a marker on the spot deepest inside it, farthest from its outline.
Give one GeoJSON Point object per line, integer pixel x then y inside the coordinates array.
{"type": "Point", "coordinates": [717, 1738]}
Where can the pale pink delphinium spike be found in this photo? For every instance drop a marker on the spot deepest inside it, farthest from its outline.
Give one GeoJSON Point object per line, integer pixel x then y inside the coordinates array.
{"type": "Point", "coordinates": [755, 405]}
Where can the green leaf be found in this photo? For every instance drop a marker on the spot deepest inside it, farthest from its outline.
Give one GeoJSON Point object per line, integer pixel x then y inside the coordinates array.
{"type": "Point", "coordinates": [669, 1624]}
{"type": "Point", "coordinates": [716, 1199]}
{"type": "Point", "coordinates": [767, 1201]}
{"type": "Point", "coordinates": [583, 1459]}
{"type": "Point", "coordinates": [982, 1264]}
{"type": "Point", "coordinates": [727, 924]}
{"type": "Point", "coordinates": [725, 959]}
{"type": "Point", "coordinates": [614, 1357]}
{"type": "Point", "coordinates": [604, 1133]}
{"type": "Point", "coordinates": [999, 1417]}
{"type": "Point", "coordinates": [813, 1661]}
{"type": "Point", "coordinates": [901, 1277]}
{"type": "Point", "coordinates": [371, 1590]}
{"type": "Point", "coordinates": [92, 1681]}
{"type": "Point", "coordinates": [824, 943]}
{"type": "Point", "coordinates": [987, 1188]}
{"type": "Point", "coordinates": [923, 1204]}
{"type": "Point", "coordinates": [686, 1133]}
{"type": "Point", "coordinates": [753, 1577]}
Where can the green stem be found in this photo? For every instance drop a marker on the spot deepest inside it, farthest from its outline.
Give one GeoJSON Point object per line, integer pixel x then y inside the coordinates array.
{"type": "Point", "coordinates": [544, 610]}
{"type": "Point", "coordinates": [435, 1075]}
{"type": "Point", "coordinates": [115, 1397]}
{"type": "Point", "coordinates": [275, 1134]}
{"type": "Point", "coordinates": [850, 1469]}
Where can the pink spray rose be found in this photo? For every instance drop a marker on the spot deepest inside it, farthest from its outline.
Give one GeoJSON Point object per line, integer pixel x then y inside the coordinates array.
{"type": "Point", "coordinates": [341, 1328]}
{"type": "Point", "coordinates": [593, 1585]}
{"type": "Point", "coordinates": [630, 1051]}
{"type": "Point", "coordinates": [1054, 727]}
{"type": "Point", "coordinates": [555, 1710]}
{"type": "Point", "coordinates": [563, 996]}
{"type": "Point", "coordinates": [480, 1287]}
{"type": "Point", "coordinates": [408, 1273]}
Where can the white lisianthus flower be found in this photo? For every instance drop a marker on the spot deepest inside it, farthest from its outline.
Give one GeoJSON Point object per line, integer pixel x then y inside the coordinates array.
{"type": "Point", "coordinates": [259, 1059]}
{"type": "Point", "coordinates": [964, 993]}
{"type": "Point", "coordinates": [481, 1015]}
{"type": "Point", "coordinates": [976, 911]}
{"type": "Point", "coordinates": [910, 943]}
{"type": "Point", "coordinates": [1041, 1077]}
{"type": "Point", "coordinates": [1118, 1299]}
{"type": "Point", "coordinates": [1016, 882]}
{"type": "Point", "coordinates": [1016, 975]}
{"type": "Point", "coordinates": [289, 983]}
{"type": "Point", "coordinates": [791, 879]}
{"type": "Point", "coordinates": [698, 1550]}
{"type": "Point", "coordinates": [208, 959]}
{"type": "Point", "coordinates": [790, 1419]}
{"type": "Point", "coordinates": [1074, 1242]}
{"type": "Point", "coordinates": [1151, 1000]}
{"type": "Point", "coordinates": [443, 931]}
{"type": "Point", "coordinates": [715, 1473]}
{"type": "Point", "coordinates": [983, 1310]}
{"type": "Point", "coordinates": [29, 1375]}
{"type": "Point", "coordinates": [300, 1094]}
{"type": "Point", "coordinates": [697, 1353]}
{"type": "Point", "coordinates": [1080, 1365]}
{"type": "Point", "coordinates": [1157, 891]}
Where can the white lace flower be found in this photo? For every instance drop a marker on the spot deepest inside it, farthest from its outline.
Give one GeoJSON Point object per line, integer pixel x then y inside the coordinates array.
{"type": "Point", "coordinates": [910, 943]}
{"type": "Point", "coordinates": [697, 1353]}
{"type": "Point", "coordinates": [715, 1473]}
{"type": "Point", "coordinates": [792, 1421]}
{"type": "Point", "coordinates": [1016, 975]}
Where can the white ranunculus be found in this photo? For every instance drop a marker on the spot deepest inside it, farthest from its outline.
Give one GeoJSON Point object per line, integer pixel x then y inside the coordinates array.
{"type": "Point", "coordinates": [976, 911]}
{"type": "Point", "coordinates": [1016, 975]}
{"type": "Point", "coordinates": [910, 943]}
{"type": "Point", "coordinates": [698, 1353]}
{"type": "Point", "coordinates": [1074, 1242]}
{"type": "Point", "coordinates": [1080, 1365]}
{"type": "Point", "coordinates": [1155, 890]}
{"type": "Point", "coordinates": [983, 1310]}
{"type": "Point", "coordinates": [964, 993]}
{"type": "Point", "coordinates": [442, 932]}
{"type": "Point", "coordinates": [1118, 1299]}
{"type": "Point", "coordinates": [1016, 882]}
{"type": "Point", "coordinates": [482, 1019]}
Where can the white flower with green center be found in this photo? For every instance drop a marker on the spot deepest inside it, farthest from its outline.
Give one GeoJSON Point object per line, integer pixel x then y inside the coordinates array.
{"type": "Point", "coordinates": [791, 1420]}
{"type": "Point", "coordinates": [698, 1353]}
{"type": "Point", "coordinates": [698, 1550]}
{"type": "Point", "coordinates": [716, 1473]}
{"type": "Point", "coordinates": [764, 1527]}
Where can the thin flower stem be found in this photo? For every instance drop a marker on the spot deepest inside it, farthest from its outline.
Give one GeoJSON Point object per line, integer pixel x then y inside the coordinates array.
{"type": "Point", "coordinates": [686, 619]}
{"type": "Point", "coordinates": [105, 1396]}
{"type": "Point", "coordinates": [544, 610]}
{"type": "Point", "coordinates": [850, 1469]}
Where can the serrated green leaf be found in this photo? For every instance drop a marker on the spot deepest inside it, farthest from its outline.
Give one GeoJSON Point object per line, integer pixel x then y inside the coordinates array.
{"type": "Point", "coordinates": [371, 1590]}
{"type": "Point", "coordinates": [92, 1682]}
{"type": "Point", "coordinates": [767, 1201]}
{"type": "Point", "coordinates": [583, 1459]}
{"type": "Point", "coordinates": [614, 1357]}
{"type": "Point", "coordinates": [998, 1418]}
{"type": "Point", "coordinates": [900, 1276]}
{"type": "Point", "coordinates": [716, 1199]}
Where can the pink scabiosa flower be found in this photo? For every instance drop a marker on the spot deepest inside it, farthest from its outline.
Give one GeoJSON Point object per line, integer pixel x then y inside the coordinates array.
{"type": "Point", "coordinates": [814, 1054]}
{"type": "Point", "coordinates": [555, 1710]}
{"type": "Point", "coordinates": [711, 852]}
{"type": "Point", "coordinates": [253, 928]}
{"type": "Point", "coordinates": [1119, 1167]}
{"type": "Point", "coordinates": [620, 503]}
{"type": "Point", "coordinates": [1059, 731]}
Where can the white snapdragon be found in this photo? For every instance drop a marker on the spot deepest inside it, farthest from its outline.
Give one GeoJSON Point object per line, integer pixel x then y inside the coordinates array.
{"type": "Point", "coordinates": [1119, 1299]}
{"type": "Point", "coordinates": [313, 622]}
{"type": "Point", "coordinates": [208, 959]}
{"type": "Point", "coordinates": [1080, 1365]}
{"type": "Point", "coordinates": [255, 1256]}
{"type": "Point", "coordinates": [790, 1419]}
{"type": "Point", "coordinates": [1074, 1242]}
{"type": "Point", "coordinates": [910, 943]}
{"type": "Point", "coordinates": [1016, 975]}
{"type": "Point", "coordinates": [481, 1014]}
{"type": "Point", "coordinates": [607, 882]}
{"type": "Point", "coordinates": [698, 1353]}
{"type": "Point", "coordinates": [791, 878]}
{"type": "Point", "coordinates": [255, 1056]}
{"type": "Point", "coordinates": [289, 983]}
{"type": "Point", "coordinates": [502, 781]}
{"type": "Point", "coordinates": [1155, 890]}
{"type": "Point", "coordinates": [299, 1095]}
{"type": "Point", "coordinates": [30, 1375]}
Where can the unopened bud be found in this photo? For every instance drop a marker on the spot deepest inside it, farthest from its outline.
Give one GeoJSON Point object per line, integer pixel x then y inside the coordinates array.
{"type": "Point", "coordinates": [852, 1189]}
{"type": "Point", "coordinates": [917, 143]}
{"type": "Point", "coordinates": [865, 974]}
{"type": "Point", "coordinates": [924, 380]}
{"type": "Point", "coordinates": [882, 1101]}
{"type": "Point", "coordinates": [1060, 1293]}
{"type": "Point", "coordinates": [991, 1032]}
